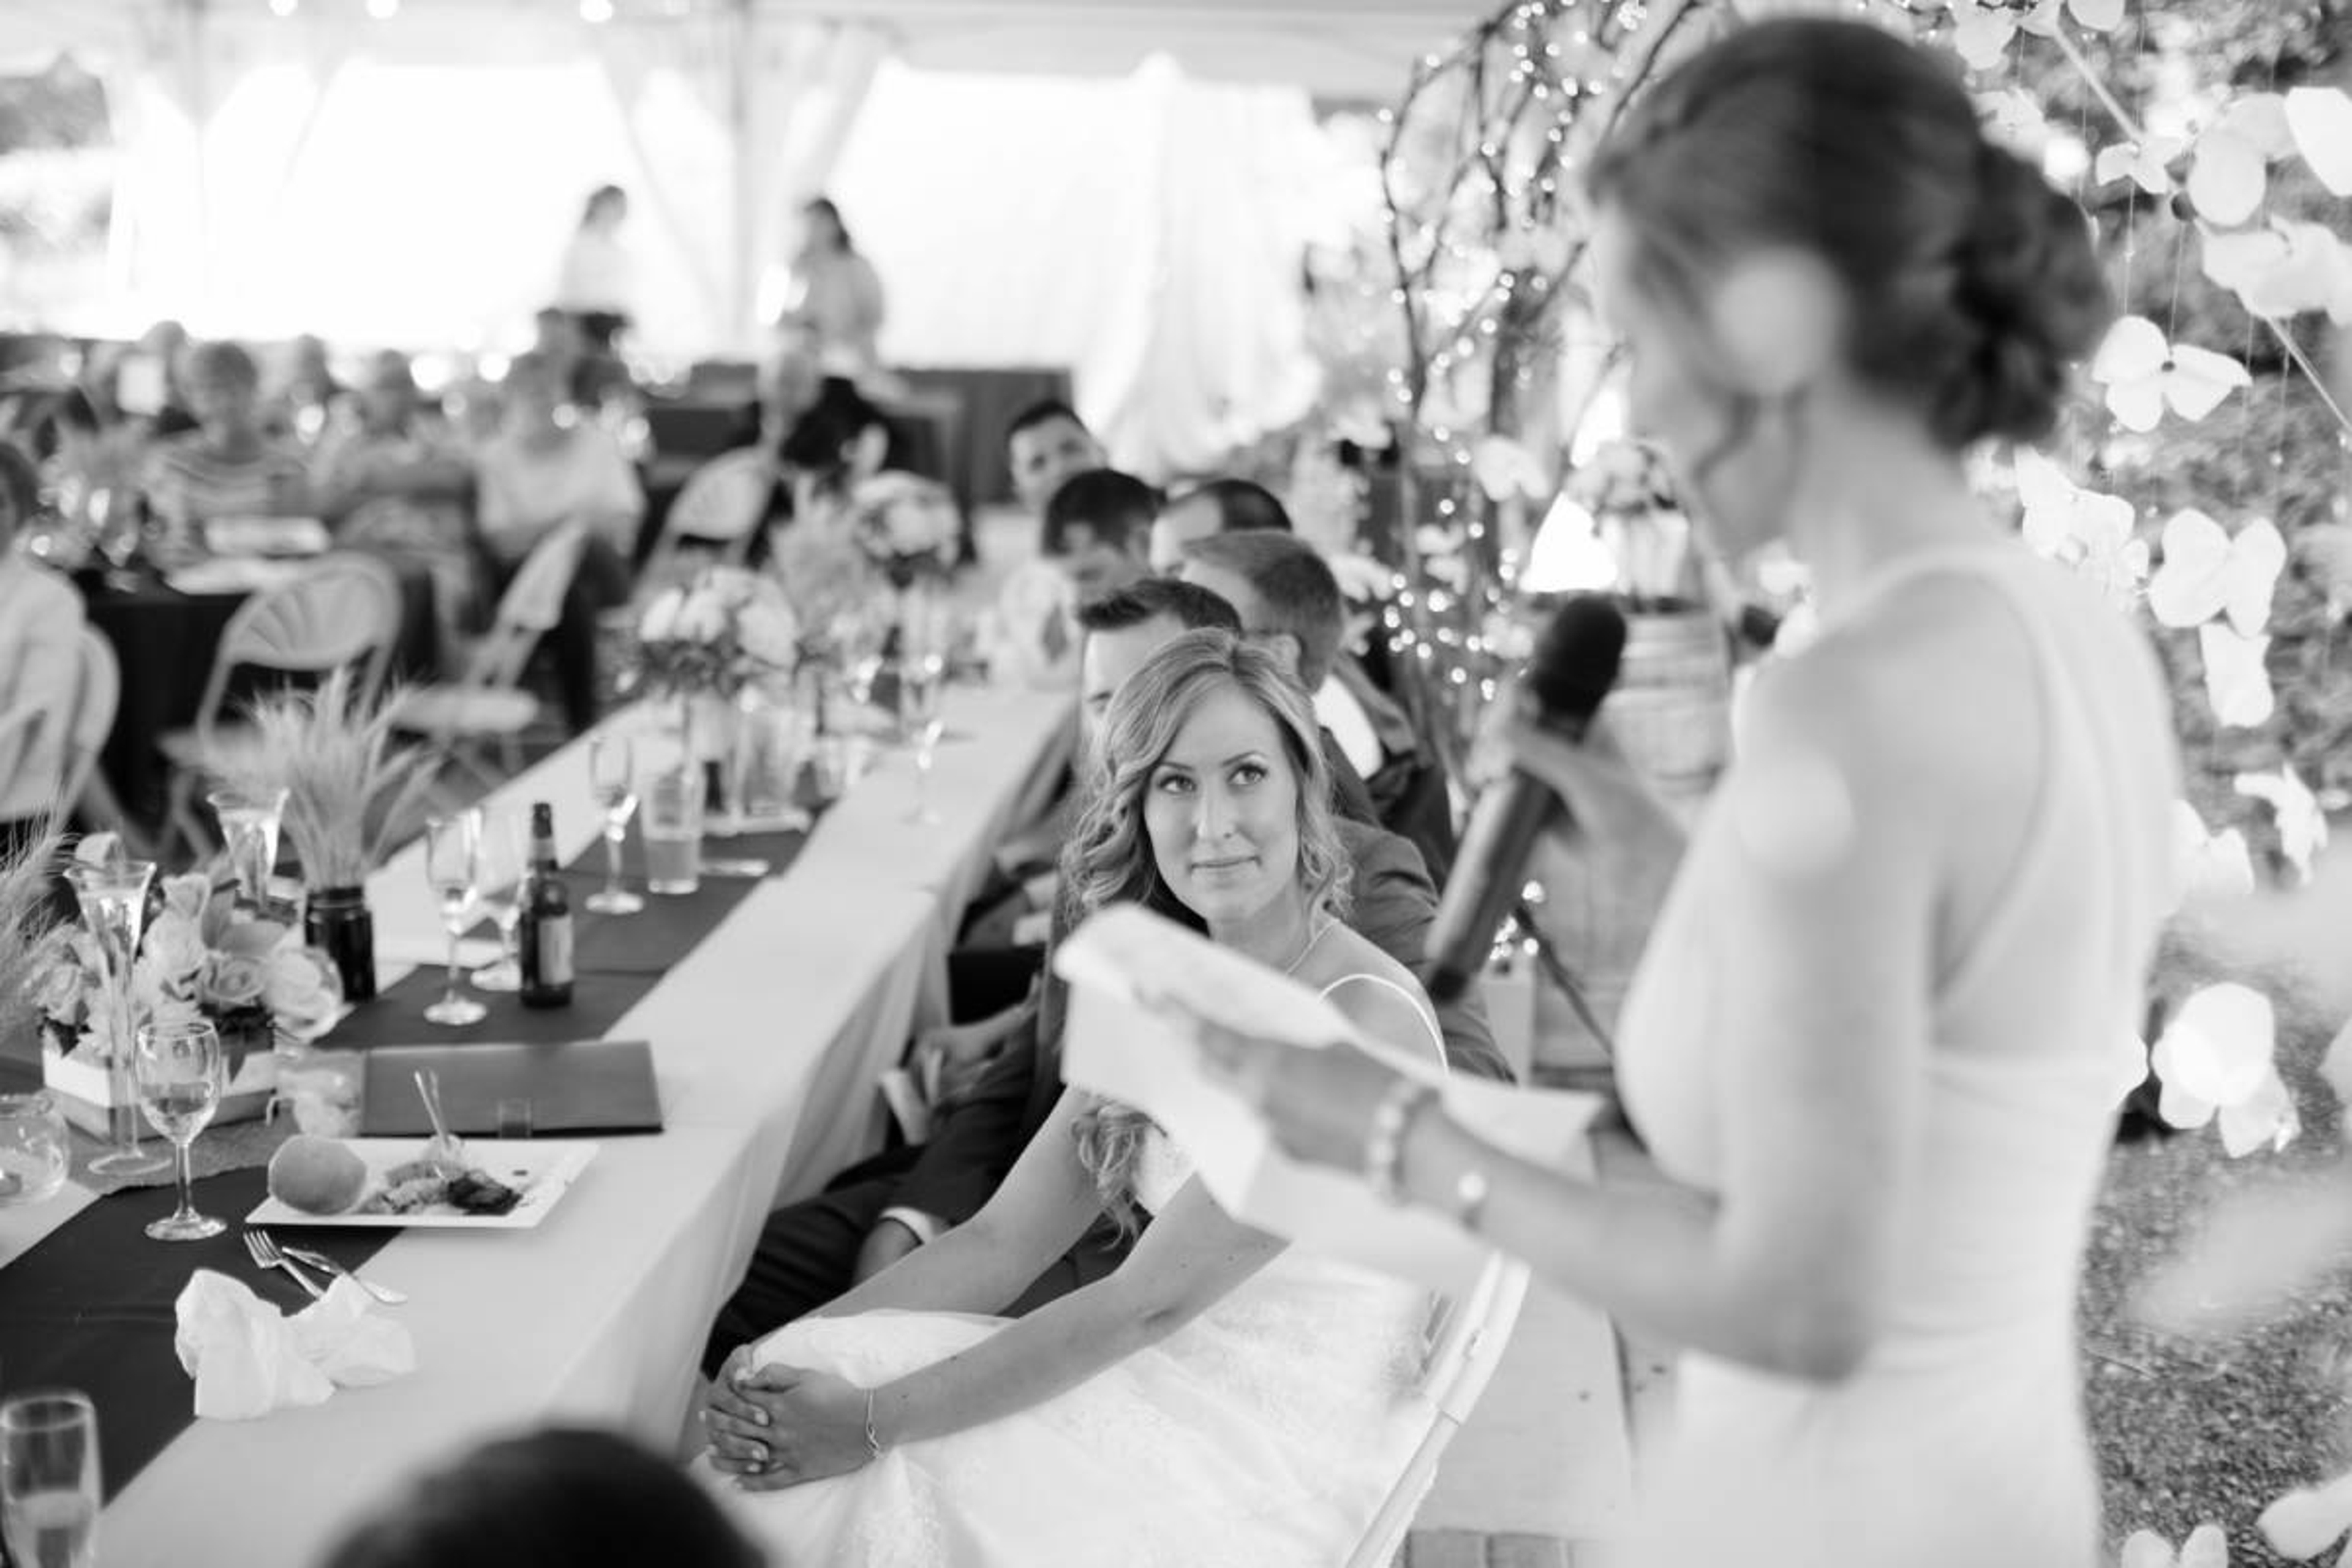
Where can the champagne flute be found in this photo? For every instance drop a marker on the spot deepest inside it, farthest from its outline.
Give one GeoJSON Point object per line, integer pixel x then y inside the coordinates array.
{"type": "Point", "coordinates": [48, 1478]}
{"type": "Point", "coordinates": [920, 680]}
{"type": "Point", "coordinates": [179, 1078]}
{"type": "Point", "coordinates": [506, 853]}
{"type": "Point", "coordinates": [612, 774]}
{"type": "Point", "coordinates": [112, 894]}
{"type": "Point", "coordinates": [453, 864]}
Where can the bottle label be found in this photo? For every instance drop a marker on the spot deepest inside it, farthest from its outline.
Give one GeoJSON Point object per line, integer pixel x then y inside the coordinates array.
{"type": "Point", "coordinates": [555, 949]}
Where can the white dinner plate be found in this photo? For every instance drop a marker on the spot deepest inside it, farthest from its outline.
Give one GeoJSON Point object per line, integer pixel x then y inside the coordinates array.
{"type": "Point", "coordinates": [541, 1169]}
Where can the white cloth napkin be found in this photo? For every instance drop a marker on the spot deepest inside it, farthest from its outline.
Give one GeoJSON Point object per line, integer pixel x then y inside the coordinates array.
{"type": "Point", "coordinates": [249, 1359]}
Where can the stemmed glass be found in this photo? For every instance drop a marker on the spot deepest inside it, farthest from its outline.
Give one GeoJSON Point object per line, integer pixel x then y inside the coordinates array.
{"type": "Point", "coordinates": [113, 899]}
{"type": "Point", "coordinates": [249, 820]}
{"type": "Point", "coordinates": [612, 774]}
{"type": "Point", "coordinates": [506, 854]}
{"type": "Point", "coordinates": [48, 1478]}
{"type": "Point", "coordinates": [180, 1077]}
{"type": "Point", "coordinates": [116, 514]}
{"type": "Point", "coordinates": [453, 864]}
{"type": "Point", "coordinates": [920, 680]}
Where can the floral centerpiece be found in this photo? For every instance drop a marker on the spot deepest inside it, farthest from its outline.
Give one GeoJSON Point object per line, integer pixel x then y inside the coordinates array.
{"type": "Point", "coordinates": [254, 978]}
{"type": "Point", "coordinates": [909, 527]}
{"type": "Point", "coordinates": [727, 629]}
{"type": "Point", "coordinates": [1625, 487]}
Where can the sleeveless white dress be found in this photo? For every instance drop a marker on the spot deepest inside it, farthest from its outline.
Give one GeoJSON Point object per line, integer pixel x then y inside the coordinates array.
{"type": "Point", "coordinates": [1961, 1442]}
{"type": "Point", "coordinates": [1263, 1433]}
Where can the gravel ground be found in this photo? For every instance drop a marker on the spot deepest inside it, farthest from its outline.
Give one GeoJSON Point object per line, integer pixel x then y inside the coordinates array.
{"type": "Point", "coordinates": [2192, 1429]}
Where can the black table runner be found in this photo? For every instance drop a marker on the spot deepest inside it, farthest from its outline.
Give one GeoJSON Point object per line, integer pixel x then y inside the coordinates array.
{"type": "Point", "coordinates": [91, 1305]}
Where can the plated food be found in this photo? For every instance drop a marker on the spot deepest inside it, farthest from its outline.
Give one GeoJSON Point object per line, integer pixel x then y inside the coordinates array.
{"type": "Point", "coordinates": [417, 1182]}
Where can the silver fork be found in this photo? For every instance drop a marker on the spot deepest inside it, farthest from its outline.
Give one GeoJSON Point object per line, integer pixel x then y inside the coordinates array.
{"type": "Point", "coordinates": [383, 1293]}
{"type": "Point", "coordinates": [265, 1253]}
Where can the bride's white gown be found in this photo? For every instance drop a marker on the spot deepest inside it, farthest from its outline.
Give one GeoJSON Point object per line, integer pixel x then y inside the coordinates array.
{"type": "Point", "coordinates": [1261, 1434]}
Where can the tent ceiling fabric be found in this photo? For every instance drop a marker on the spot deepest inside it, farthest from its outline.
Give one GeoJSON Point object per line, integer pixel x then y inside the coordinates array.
{"type": "Point", "coordinates": [1345, 49]}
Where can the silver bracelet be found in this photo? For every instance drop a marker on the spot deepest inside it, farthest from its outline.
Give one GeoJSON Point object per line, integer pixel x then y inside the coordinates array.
{"type": "Point", "coordinates": [1384, 1140]}
{"type": "Point", "coordinates": [873, 1441]}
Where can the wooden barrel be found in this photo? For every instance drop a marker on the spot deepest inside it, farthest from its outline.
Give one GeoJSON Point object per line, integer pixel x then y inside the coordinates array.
{"type": "Point", "coordinates": [1670, 707]}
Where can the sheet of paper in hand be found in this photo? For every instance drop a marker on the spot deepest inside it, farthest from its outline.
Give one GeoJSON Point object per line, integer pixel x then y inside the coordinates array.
{"type": "Point", "coordinates": [1119, 1041]}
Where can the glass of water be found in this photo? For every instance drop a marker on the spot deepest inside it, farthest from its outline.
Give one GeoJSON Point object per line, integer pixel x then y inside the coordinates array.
{"type": "Point", "coordinates": [612, 774]}
{"type": "Point", "coordinates": [32, 1148]}
{"type": "Point", "coordinates": [673, 830]}
{"type": "Point", "coordinates": [48, 1478]}
{"type": "Point", "coordinates": [180, 1077]}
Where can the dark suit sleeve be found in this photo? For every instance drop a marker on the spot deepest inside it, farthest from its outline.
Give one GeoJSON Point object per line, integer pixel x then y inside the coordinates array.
{"type": "Point", "coordinates": [977, 1143]}
{"type": "Point", "coordinates": [1394, 905]}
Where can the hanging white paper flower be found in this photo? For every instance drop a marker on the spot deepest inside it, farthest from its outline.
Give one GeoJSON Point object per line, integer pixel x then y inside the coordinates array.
{"type": "Point", "coordinates": [2308, 1520]}
{"type": "Point", "coordinates": [2206, 1547]}
{"type": "Point", "coordinates": [2207, 867]}
{"type": "Point", "coordinates": [2083, 528]}
{"type": "Point", "coordinates": [2284, 269]}
{"type": "Point", "coordinates": [1504, 468]}
{"type": "Point", "coordinates": [2320, 118]}
{"type": "Point", "coordinates": [2014, 119]}
{"type": "Point", "coordinates": [2229, 175]}
{"type": "Point", "coordinates": [2237, 679]}
{"type": "Point", "coordinates": [2207, 572]}
{"type": "Point", "coordinates": [1981, 32]}
{"type": "Point", "coordinates": [2302, 826]}
{"type": "Point", "coordinates": [2143, 373]}
{"type": "Point", "coordinates": [2146, 163]}
{"type": "Point", "coordinates": [2216, 1061]}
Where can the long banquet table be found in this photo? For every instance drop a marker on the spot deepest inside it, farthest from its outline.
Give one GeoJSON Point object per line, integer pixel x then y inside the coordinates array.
{"type": "Point", "coordinates": [767, 1039]}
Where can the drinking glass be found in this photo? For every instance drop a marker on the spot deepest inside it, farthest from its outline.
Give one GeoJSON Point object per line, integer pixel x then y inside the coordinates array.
{"type": "Point", "coordinates": [612, 774]}
{"type": "Point", "coordinates": [113, 899]}
{"type": "Point", "coordinates": [32, 1148]}
{"type": "Point", "coordinates": [673, 830]}
{"type": "Point", "coordinates": [249, 820]}
{"type": "Point", "coordinates": [920, 680]}
{"type": "Point", "coordinates": [506, 854]}
{"type": "Point", "coordinates": [181, 1076]}
{"type": "Point", "coordinates": [453, 864]}
{"type": "Point", "coordinates": [48, 1478]}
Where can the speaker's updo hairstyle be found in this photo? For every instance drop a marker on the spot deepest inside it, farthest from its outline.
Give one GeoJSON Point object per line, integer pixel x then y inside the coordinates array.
{"type": "Point", "coordinates": [1972, 283]}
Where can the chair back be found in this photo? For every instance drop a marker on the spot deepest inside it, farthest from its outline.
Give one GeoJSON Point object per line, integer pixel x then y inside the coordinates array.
{"type": "Point", "coordinates": [1463, 1351]}
{"type": "Point", "coordinates": [20, 729]}
{"type": "Point", "coordinates": [529, 610]}
{"type": "Point", "coordinates": [344, 610]}
{"type": "Point", "coordinates": [722, 504]}
{"type": "Point", "coordinates": [98, 693]}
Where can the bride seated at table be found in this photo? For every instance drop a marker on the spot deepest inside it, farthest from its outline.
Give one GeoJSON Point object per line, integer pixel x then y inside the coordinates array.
{"type": "Point", "coordinates": [1219, 1399]}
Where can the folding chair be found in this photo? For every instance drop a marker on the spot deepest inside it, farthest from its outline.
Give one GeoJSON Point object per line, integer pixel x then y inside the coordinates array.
{"type": "Point", "coordinates": [343, 611]}
{"type": "Point", "coordinates": [721, 505]}
{"type": "Point", "coordinates": [97, 694]}
{"type": "Point", "coordinates": [1462, 1355]}
{"type": "Point", "coordinates": [489, 705]}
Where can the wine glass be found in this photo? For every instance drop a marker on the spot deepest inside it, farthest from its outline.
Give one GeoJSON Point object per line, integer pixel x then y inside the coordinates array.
{"type": "Point", "coordinates": [179, 1078]}
{"type": "Point", "coordinates": [612, 774]}
{"type": "Point", "coordinates": [920, 680]}
{"type": "Point", "coordinates": [115, 515]}
{"type": "Point", "coordinates": [506, 854]}
{"type": "Point", "coordinates": [250, 823]}
{"type": "Point", "coordinates": [453, 864]}
{"type": "Point", "coordinates": [48, 1478]}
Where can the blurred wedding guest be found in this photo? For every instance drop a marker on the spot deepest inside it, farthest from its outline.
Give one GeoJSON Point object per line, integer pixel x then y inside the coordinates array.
{"type": "Point", "coordinates": [144, 382]}
{"type": "Point", "coordinates": [40, 661]}
{"type": "Point", "coordinates": [590, 375]}
{"type": "Point", "coordinates": [597, 281]}
{"type": "Point", "coordinates": [228, 465]}
{"type": "Point", "coordinates": [833, 291]}
{"type": "Point", "coordinates": [563, 1498]}
{"type": "Point", "coordinates": [1872, 1042]}
{"type": "Point", "coordinates": [1045, 444]}
{"type": "Point", "coordinates": [1217, 506]}
{"type": "Point", "coordinates": [1097, 528]}
{"type": "Point", "coordinates": [395, 481]}
{"type": "Point", "coordinates": [309, 397]}
{"type": "Point", "coordinates": [840, 439]}
{"type": "Point", "coordinates": [547, 466]}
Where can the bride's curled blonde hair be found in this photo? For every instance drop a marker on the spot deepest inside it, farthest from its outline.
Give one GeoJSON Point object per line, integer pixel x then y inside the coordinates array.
{"type": "Point", "coordinates": [1109, 859]}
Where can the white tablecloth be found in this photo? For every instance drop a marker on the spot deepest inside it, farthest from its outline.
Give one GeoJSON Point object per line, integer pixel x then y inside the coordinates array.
{"type": "Point", "coordinates": [767, 1041]}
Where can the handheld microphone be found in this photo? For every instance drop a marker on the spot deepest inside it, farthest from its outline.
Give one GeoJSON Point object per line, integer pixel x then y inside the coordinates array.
{"type": "Point", "coordinates": [1574, 666]}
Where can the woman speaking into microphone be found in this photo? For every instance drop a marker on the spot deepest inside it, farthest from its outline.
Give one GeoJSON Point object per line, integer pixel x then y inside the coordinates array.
{"type": "Point", "coordinates": [1872, 1039]}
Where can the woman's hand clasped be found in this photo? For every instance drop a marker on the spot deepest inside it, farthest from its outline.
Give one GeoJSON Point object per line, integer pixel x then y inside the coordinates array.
{"type": "Point", "coordinates": [777, 1427]}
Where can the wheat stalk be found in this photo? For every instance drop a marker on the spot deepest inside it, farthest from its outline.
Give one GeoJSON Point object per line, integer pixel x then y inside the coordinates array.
{"type": "Point", "coordinates": [24, 919]}
{"type": "Point", "coordinates": [334, 757]}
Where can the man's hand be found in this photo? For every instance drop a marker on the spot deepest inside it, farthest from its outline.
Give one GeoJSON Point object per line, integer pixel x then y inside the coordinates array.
{"type": "Point", "coordinates": [776, 1427]}
{"type": "Point", "coordinates": [887, 1243]}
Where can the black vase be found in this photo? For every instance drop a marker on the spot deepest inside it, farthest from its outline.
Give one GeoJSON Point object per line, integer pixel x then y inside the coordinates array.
{"type": "Point", "coordinates": [337, 924]}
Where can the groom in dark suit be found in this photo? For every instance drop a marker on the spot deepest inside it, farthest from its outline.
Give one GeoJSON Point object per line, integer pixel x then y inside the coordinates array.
{"type": "Point", "coordinates": [879, 1211]}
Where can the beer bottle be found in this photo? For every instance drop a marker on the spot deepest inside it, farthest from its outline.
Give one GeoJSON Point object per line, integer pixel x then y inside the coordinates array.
{"type": "Point", "coordinates": [543, 933]}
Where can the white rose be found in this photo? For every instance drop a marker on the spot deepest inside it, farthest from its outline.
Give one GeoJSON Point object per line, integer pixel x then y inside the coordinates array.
{"type": "Point", "coordinates": [768, 633]}
{"type": "Point", "coordinates": [174, 952]}
{"type": "Point", "coordinates": [298, 992]}
{"type": "Point", "coordinates": [660, 622]}
{"type": "Point", "coordinates": [703, 618]}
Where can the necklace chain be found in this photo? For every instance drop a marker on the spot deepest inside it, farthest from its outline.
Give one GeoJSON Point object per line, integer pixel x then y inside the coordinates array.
{"type": "Point", "coordinates": [1313, 935]}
